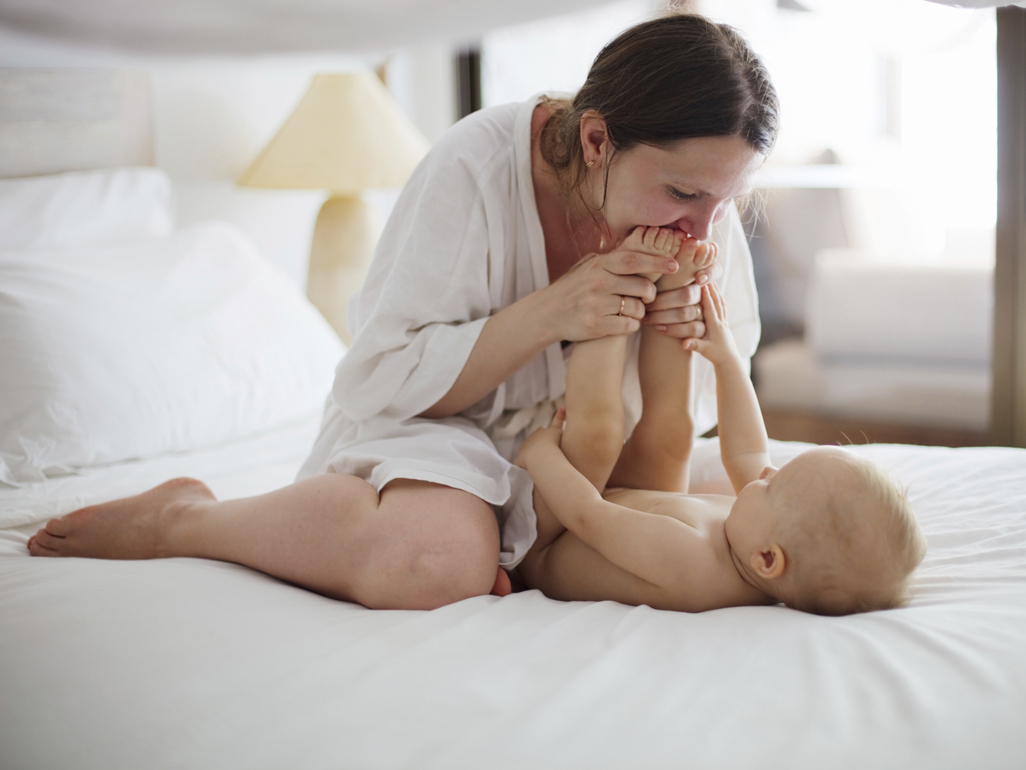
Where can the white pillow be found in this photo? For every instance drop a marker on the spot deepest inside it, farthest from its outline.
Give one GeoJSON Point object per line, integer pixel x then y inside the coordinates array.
{"type": "Point", "coordinates": [112, 353]}
{"type": "Point", "coordinates": [86, 208]}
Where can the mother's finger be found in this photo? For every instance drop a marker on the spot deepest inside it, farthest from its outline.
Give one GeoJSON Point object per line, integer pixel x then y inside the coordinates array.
{"type": "Point", "coordinates": [684, 296]}
{"type": "Point", "coordinates": [674, 315]}
{"type": "Point", "coordinates": [633, 308]}
{"type": "Point", "coordinates": [631, 263]}
{"type": "Point", "coordinates": [633, 286]}
{"type": "Point", "coordinates": [695, 329]}
{"type": "Point", "coordinates": [616, 325]}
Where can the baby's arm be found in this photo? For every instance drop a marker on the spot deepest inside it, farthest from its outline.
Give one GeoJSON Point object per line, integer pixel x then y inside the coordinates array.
{"type": "Point", "coordinates": [744, 446]}
{"type": "Point", "coordinates": [660, 550]}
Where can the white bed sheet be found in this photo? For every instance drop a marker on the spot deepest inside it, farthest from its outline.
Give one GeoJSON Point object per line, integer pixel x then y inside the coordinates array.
{"type": "Point", "coordinates": [186, 663]}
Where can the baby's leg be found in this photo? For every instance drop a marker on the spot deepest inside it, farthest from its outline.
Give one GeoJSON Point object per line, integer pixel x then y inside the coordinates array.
{"type": "Point", "coordinates": [657, 454]}
{"type": "Point", "coordinates": [593, 434]}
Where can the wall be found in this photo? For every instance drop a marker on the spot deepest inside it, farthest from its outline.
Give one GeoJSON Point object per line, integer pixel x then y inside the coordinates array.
{"type": "Point", "coordinates": [213, 114]}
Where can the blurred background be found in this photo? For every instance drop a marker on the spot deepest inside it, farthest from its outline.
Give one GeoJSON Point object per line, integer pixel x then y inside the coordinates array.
{"type": "Point", "coordinates": [871, 228]}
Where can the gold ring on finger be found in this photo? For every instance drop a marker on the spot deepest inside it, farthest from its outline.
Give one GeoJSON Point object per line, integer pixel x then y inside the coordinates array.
{"type": "Point", "coordinates": [623, 301]}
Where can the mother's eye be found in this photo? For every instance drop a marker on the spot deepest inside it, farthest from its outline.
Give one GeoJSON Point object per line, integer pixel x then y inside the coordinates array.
{"type": "Point", "coordinates": [682, 196]}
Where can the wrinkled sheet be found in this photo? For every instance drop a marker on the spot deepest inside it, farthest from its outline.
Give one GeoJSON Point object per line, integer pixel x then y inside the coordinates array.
{"type": "Point", "coordinates": [186, 663]}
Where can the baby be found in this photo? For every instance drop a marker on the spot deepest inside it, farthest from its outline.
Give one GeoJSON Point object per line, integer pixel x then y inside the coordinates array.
{"type": "Point", "coordinates": [828, 532]}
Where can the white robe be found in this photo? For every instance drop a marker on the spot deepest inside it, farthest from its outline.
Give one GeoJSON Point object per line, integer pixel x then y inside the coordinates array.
{"type": "Point", "coordinates": [463, 242]}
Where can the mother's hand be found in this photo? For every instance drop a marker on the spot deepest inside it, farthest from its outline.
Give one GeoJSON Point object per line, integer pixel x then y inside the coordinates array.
{"type": "Point", "coordinates": [677, 311]}
{"type": "Point", "coordinates": [603, 294]}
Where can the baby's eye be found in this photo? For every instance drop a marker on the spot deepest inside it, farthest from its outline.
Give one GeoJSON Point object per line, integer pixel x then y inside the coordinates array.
{"type": "Point", "coordinates": [682, 196]}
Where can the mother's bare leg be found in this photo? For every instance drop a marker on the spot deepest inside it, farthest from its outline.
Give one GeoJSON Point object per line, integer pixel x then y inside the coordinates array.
{"type": "Point", "coordinates": [417, 546]}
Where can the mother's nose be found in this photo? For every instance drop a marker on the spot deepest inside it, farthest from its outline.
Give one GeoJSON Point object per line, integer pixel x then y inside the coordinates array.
{"type": "Point", "coordinates": [698, 221]}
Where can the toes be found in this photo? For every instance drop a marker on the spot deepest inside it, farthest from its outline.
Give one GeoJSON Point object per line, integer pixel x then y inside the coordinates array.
{"type": "Point", "coordinates": [50, 542]}
{"type": "Point", "coordinates": [37, 548]}
{"type": "Point", "coordinates": [654, 238]}
{"type": "Point", "coordinates": [59, 526]}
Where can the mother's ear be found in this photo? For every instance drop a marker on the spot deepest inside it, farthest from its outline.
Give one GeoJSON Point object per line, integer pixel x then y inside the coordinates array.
{"type": "Point", "coordinates": [594, 139]}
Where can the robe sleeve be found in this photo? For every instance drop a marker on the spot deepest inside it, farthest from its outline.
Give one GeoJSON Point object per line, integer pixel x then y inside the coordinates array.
{"type": "Point", "coordinates": [426, 297]}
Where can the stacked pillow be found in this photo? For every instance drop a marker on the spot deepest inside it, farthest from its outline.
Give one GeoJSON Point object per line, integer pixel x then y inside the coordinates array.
{"type": "Point", "coordinates": [121, 339]}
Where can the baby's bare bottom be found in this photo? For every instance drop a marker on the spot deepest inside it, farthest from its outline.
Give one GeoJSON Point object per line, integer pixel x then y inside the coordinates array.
{"type": "Point", "coordinates": [570, 570]}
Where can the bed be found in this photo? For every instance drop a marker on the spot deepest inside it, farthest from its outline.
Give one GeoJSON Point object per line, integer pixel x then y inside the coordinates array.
{"type": "Point", "coordinates": [187, 663]}
{"type": "Point", "coordinates": [198, 664]}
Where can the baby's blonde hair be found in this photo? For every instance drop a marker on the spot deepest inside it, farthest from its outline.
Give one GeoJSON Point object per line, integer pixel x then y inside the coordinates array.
{"type": "Point", "coordinates": [856, 551]}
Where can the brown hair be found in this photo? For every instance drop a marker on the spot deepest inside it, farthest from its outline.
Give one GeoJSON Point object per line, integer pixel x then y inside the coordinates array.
{"type": "Point", "coordinates": [680, 76]}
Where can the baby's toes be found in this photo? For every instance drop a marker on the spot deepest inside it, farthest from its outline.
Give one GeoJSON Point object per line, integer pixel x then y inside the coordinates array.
{"type": "Point", "coordinates": [662, 241]}
{"type": "Point", "coordinates": [635, 241]}
{"type": "Point", "coordinates": [650, 238]}
{"type": "Point", "coordinates": [706, 257]}
{"type": "Point", "coordinates": [670, 241]}
{"type": "Point", "coordinates": [687, 251]}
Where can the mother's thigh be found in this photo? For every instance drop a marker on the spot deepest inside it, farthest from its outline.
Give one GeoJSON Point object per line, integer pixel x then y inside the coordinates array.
{"type": "Point", "coordinates": [427, 545]}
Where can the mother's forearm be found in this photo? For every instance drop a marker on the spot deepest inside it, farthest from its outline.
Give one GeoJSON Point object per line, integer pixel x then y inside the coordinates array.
{"type": "Point", "coordinates": [508, 340]}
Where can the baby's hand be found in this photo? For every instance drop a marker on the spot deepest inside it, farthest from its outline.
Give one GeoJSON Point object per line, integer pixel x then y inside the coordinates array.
{"type": "Point", "coordinates": [542, 438]}
{"type": "Point", "coordinates": [718, 343]}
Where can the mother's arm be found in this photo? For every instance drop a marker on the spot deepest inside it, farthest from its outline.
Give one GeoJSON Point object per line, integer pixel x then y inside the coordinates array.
{"type": "Point", "coordinates": [582, 304]}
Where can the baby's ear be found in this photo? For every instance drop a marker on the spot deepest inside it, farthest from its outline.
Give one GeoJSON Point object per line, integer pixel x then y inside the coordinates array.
{"type": "Point", "coordinates": [769, 563]}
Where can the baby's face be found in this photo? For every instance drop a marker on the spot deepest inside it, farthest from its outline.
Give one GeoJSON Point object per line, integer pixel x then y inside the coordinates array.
{"type": "Point", "coordinates": [759, 514]}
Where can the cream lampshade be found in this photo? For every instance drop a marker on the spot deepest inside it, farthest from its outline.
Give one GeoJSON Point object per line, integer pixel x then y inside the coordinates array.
{"type": "Point", "coordinates": [346, 135]}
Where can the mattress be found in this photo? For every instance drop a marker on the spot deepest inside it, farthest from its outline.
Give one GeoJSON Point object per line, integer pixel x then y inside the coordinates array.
{"type": "Point", "coordinates": [187, 663]}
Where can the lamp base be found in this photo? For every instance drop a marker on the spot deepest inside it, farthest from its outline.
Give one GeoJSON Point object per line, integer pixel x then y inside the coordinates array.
{"type": "Point", "coordinates": [343, 245]}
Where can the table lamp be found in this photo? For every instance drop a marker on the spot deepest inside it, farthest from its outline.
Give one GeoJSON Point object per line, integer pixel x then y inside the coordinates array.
{"type": "Point", "coordinates": [346, 135]}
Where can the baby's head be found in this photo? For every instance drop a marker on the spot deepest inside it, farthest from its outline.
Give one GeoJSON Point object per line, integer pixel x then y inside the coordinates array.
{"type": "Point", "coordinates": [828, 533]}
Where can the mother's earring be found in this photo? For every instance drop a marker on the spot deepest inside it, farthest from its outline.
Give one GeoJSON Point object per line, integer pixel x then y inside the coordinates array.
{"type": "Point", "coordinates": [589, 164]}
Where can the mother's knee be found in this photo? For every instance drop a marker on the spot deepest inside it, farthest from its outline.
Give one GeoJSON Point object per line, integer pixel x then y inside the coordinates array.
{"type": "Point", "coordinates": [444, 548]}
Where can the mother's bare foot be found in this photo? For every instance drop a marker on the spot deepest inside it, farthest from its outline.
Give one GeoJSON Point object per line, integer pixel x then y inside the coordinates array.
{"type": "Point", "coordinates": [139, 527]}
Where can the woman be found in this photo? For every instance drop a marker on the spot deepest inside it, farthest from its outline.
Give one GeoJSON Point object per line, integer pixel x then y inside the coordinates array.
{"type": "Point", "coordinates": [501, 248]}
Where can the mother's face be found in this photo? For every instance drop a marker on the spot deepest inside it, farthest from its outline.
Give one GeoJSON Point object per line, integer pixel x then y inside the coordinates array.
{"type": "Point", "coordinates": [686, 186]}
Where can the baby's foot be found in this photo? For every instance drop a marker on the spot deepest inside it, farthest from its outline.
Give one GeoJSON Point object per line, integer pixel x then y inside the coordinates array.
{"type": "Point", "coordinates": [139, 527]}
{"type": "Point", "coordinates": [655, 241]}
{"type": "Point", "coordinates": [692, 258]}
